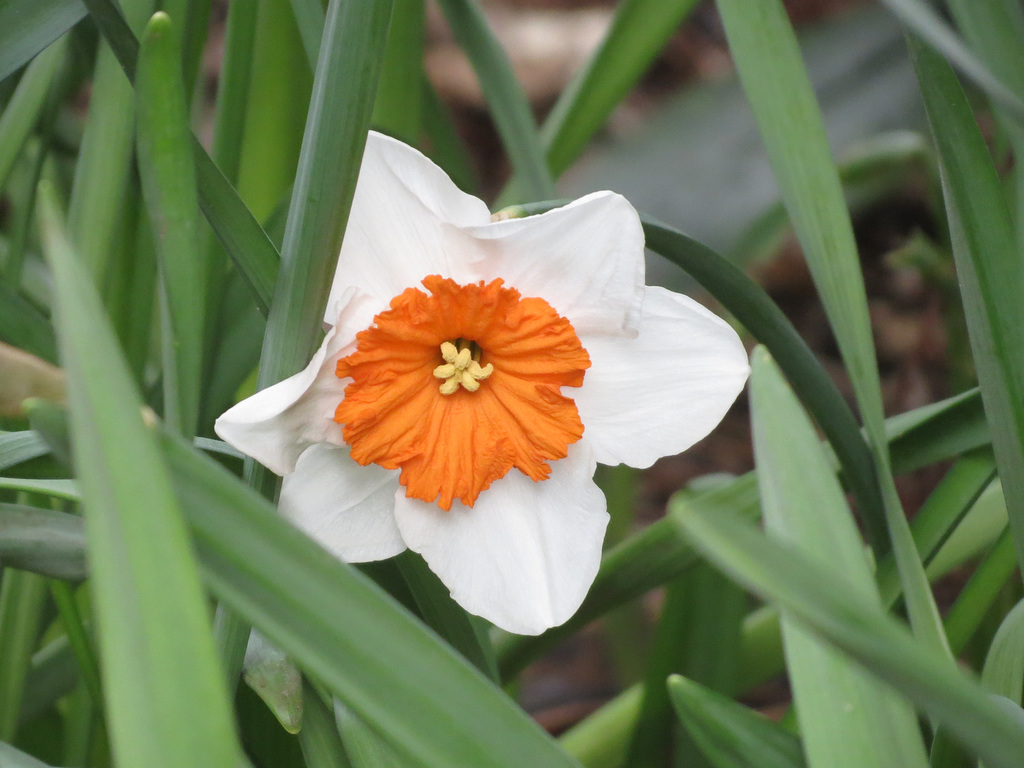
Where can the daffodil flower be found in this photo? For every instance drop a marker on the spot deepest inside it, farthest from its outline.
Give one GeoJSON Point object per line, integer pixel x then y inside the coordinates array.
{"type": "Point", "coordinates": [473, 374]}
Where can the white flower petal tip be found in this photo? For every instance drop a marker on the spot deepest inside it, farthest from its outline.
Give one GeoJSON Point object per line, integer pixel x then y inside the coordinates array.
{"type": "Point", "coordinates": [660, 393]}
{"type": "Point", "coordinates": [348, 509]}
{"type": "Point", "coordinates": [526, 554]}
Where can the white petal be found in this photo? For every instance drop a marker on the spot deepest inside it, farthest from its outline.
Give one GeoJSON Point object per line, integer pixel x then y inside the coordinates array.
{"type": "Point", "coordinates": [658, 394]}
{"type": "Point", "coordinates": [277, 424]}
{"type": "Point", "coordinates": [404, 224]}
{"type": "Point", "coordinates": [348, 509]}
{"type": "Point", "coordinates": [525, 555]}
{"type": "Point", "coordinates": [586, 259]}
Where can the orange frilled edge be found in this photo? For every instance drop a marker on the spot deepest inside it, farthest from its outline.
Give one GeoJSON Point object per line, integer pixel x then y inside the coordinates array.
{"type": "Point", "coordinates": [454, 446]}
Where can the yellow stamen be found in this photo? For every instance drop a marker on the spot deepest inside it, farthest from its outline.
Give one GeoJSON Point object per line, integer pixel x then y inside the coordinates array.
{"type": "Point", "coordinates": [461, 367]}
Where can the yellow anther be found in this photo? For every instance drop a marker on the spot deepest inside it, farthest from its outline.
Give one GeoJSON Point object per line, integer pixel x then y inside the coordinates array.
{"type": "Point", "coordinates": [461, 367]}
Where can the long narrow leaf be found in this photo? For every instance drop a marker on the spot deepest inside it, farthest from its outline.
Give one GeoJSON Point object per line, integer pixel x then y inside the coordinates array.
{"type": "Point", "coordinates": [29, 26]}
{"type": "Point", "coordinates": [169, 182]}
{"type": "Point", "coordinates": [821, 600]}
{"type": "Point", "coordinates": [165, 696]}
{"type": "Point", "coordinates": [242, 236]}
{"type": "Point", "coordinates": [847, 717]}
{"type": "Point", "coordinates": [504, 96]}
{"type": "Point", "coordinates": [731, 735]}
{"type": "Point", "coordinates": [989, 266]}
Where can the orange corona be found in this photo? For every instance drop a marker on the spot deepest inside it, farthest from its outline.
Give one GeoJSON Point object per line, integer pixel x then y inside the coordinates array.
{"type": "Point", "coordinates": [457, 386]}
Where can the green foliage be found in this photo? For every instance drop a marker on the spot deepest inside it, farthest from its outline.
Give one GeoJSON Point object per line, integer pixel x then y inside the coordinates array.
{"type": "Point", "coordinates": [137, 552]}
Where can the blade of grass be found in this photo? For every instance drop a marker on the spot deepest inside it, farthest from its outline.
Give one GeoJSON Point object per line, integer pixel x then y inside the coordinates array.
{"type": "Point", "coordinates": [924, 21]}
{"type": "Point", "coordinates": [446, 617]}
{"type": "Point", "coordinates": [1003, 672]}
{"type": "Point", "coordinates": [989, 266]}
{"type": "Point", "coordinates": [399, 105]}
{"type": "Point", "coordinates": [164, 693]}
{"type": "Point", "coordinates": [996, 31]}
{"type": "Point", "coordinates": [730, 734]}
{"type": "Point", "coordinates": [26, 105]}
{"type": "Point", "coordinates": [980, 593]}
{"type": "Point", "coordinates": [23, 325]}
{"type": "Point", "coordinates": [332, 147]}
{"type": "Point", "coordinates": [821, 600]}
{"type": "Point", "coordinates": [767, 57]}
{"type": "Point", "coordinates": [242, 236]}
{"type": "Point", "coordinates": [505, 98]}
{"type": "Point", "coordinates": [166, 166]}
{"type": "Point", "coordinates": [319, 737]}
{"type": "Point", "coordinates": [698, 635]}
{"type": "Point", "coordinates": [29, 26]}
{"type": "Point", "coordinates": [847, 716]}
{"type": "Point", "coordinates": [309, 18]}
{"type": "Point", "coordinates": [22, 596]}
{"type": "Point", "coordinates": [638, 33]}
{"type": "Point", "coordinates": [78, 638]}
{"type": "Point", "coordinates": [941, 512]}
{"type": "Point", "coordinates": [935, 432]}
{"type": "Point", "coordinates": [101, 181]}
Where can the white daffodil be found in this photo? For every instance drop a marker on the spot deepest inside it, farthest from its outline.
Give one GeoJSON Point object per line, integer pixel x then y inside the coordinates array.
{"type": "Point", "coordinates": [473, 374]}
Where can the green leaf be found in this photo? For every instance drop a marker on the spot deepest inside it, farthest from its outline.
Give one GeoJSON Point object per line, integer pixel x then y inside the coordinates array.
{"type": "Point", "coordinates": [638, 33]}
{"type": "Point", "coordinates": [332, 147]}
{"type": "Point", "coordinates": [22, 597]}
{"type": "Point", "coordinates": [102, 179]}
{"type": "Point", "coordinates": [508, 104]}
{"type": "Point", "coordinates": [42, 541]}
{"type": "Point", "coordinates": [320, 740]}
{"type": "Point", "coordinates": [29, 26]}
{"type": "Point", "coordinates": [847, 717]}
{"type": "Point", "coordinates": [166, 166]}
{"type": "Point", "coordinates": [1003, 672]}
{"type": "Point", "coordinates": [821, 600]}
{"type": "Point", "coordinates": [446, 617]}
{"type": "Point", "coordinates": [989, 267]}
{"type": "Point", "coordinates": [364, 748]}
{"type": "Point", "coordinates": [242, 236]}
{"type": "Point", "coordinates": [399, 106]}
{"type": "Point", "coordinates": [24, 326]}
{"type": "Point", "coordinates": [730, 734]}
{"type": "Point", "coordinates": [698, 635]}
{"type": "Point", "coordinates": [25, 106]}
{"type": "Point", "coordinates": [19, 447]}
{"type": "Point", "coordinates": [164, 693]}
{"type": "Point", "coordinates": [59, 489]}
{"type": "Point", "coordinates": [935, 432]}
{"type": "Point", "coordinates": [924, 21]}
{"type": "Point", "coordinates": [940, 514]}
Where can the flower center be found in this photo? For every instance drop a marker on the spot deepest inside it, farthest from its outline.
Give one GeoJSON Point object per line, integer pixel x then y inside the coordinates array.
{"type": "Point", "coordinates": [452, 440]}
{"type": "Point", "coordinates": [461, 367]}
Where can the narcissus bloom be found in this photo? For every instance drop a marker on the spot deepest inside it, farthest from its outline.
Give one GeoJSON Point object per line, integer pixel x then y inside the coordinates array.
{"type": "Point", "coordinates": [473, 373]}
